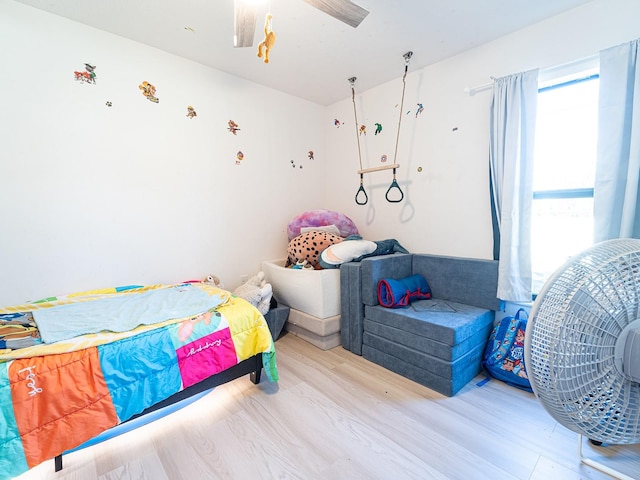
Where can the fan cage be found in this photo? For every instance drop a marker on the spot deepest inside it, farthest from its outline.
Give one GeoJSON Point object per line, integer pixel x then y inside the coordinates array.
{"type": "Point", "coordinates": [571, 337]}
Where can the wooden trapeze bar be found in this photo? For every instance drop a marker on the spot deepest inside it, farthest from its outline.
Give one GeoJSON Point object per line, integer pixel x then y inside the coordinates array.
{"type": "Point", "coordinates": [394, 185]}
{"type": "Point", "coordinates": [377, 169]}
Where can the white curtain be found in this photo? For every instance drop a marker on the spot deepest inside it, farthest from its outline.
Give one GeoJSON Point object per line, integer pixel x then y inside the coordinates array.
{"type": "Point", "coordinates": [513, 117]}
{"type": "Point", "coordinates": [616, 208]}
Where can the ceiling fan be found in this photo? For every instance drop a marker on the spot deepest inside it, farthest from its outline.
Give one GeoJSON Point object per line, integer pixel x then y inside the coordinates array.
{"type": "Point", "coordinates": [245, 14]}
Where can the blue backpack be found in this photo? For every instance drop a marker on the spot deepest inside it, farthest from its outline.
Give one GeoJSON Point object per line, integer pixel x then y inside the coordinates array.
{"type": "Point", "coordinates": [504, 354]}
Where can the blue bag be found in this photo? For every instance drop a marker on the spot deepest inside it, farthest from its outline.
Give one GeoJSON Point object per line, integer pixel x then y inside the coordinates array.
{"type": "Point", "coordinates": [504, 354]}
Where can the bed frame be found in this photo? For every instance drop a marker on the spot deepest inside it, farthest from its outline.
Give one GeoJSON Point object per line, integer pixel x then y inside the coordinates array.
{"type": "Point", "coordinates": [251, 366]}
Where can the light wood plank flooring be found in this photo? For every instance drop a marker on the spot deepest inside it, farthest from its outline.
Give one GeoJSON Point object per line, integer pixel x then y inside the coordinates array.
{"type": "Point", "coordinates": [334, 415]}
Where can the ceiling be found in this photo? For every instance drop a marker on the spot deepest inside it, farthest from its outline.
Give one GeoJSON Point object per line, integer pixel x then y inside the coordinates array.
{"type": "Point", "coordinates": [314, 54]}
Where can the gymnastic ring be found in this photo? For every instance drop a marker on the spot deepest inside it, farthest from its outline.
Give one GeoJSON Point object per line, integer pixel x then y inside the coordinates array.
{"type": "Point", "coordinates": [366, 197]}
{"type": "Point", "coordinates": [394, 184]}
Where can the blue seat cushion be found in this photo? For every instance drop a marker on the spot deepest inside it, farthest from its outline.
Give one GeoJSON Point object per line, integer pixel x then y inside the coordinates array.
{"type": "Point", "coordinates": [446, 322]}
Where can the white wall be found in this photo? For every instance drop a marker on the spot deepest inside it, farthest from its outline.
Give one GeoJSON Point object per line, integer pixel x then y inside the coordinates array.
{"type": "Point", "coordinates": [94, 196]}
{"type": "Point", "coordinates": [447, 207]}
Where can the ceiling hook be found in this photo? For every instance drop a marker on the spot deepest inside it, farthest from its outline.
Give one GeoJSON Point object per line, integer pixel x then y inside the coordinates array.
{"type": "Point", "coordinates": [407, 56]}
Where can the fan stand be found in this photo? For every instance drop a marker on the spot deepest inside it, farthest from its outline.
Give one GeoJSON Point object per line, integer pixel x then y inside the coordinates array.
{"type": "Point", "coordinates": [600, 466]}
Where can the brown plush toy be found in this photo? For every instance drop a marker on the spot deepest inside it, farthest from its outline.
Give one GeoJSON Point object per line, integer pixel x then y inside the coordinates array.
{"type": "Point", "coordinates": [269, 39]}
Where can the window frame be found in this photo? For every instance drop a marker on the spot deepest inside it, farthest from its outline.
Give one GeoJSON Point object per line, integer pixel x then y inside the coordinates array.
{"type": "Point", "coordinates": [565, 193]}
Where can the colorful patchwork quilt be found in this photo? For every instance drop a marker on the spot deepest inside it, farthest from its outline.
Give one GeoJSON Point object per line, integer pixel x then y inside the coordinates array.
{"type": "Point", "coordinates": [107, 355]}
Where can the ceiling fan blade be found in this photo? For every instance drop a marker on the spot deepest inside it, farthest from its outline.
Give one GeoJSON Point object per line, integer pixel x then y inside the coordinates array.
{"type": "Point", "coordinates": [344, 10]}
{"type": "Point", "coordinates": [244, 19]}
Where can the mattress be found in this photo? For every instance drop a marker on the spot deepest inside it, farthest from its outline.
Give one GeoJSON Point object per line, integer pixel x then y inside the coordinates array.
{"type": "Point", "coordinates": [323, 333]}
{"type": "Point", "coordinates": [315, 292]}
{"type": "Point", "coordinates": [320, 326]}
{"type": "Point", "coordinates": [323, 343]}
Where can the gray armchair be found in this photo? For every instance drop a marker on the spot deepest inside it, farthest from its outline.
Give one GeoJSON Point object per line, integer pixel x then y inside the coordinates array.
{"type": "Point", "coordinates": [437, 342]}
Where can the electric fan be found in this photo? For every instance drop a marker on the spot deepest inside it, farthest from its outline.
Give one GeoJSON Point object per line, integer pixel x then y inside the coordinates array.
{"type": "Point", "coordinates": [582, 346]}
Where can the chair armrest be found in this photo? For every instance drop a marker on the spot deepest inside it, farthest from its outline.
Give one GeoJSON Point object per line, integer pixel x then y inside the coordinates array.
{"type": "Point", "coordinates": [351, 307]}
{"type": "Point", "coordinates": [374, 269]}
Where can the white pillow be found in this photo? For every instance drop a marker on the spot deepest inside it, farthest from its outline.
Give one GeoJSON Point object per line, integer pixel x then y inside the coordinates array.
{"type": "Point", "coordinates": [324, 228]}
{"type": "Point", "coordinates": [346, 251]}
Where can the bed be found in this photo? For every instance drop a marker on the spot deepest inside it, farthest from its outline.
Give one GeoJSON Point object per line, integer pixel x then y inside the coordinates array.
{"type": "Point", "coordinates": [103, 357]}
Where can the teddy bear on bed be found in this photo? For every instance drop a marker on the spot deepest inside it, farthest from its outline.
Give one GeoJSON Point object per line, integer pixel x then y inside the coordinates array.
{"type": "Point", "coordinates": [257, 292]}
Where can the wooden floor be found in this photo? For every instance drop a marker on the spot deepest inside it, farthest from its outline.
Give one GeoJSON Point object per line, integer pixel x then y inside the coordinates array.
{"type": "Point", "coordinates": [334, 415]}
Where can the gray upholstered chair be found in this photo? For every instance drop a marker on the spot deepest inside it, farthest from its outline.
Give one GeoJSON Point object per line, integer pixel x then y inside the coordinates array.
{"type": "Point", "coordinates": [437, 342]}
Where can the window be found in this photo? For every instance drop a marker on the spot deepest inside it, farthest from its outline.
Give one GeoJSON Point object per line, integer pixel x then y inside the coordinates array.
{"type": "Point", "coordinates": [564, 173]}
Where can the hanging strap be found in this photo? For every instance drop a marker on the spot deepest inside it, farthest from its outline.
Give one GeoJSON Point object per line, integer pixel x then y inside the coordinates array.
{"type": "Point", "coordinates": [361, 191]}
{"type": "Point", "coordinates": [352, 81]}
{"type": "Point", "coordinates": [407, 56]}
{"type": "Point", "coordinates": [394, 184]}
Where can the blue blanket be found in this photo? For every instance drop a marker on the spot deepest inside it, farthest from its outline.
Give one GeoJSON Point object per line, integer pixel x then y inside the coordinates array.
{"type": "Point", "coordinates": [399, 293]}
{"type": "Point", "coordinates": [123, 312]}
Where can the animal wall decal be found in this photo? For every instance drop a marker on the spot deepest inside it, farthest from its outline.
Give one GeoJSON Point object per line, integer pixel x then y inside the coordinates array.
{"type": "Point", "coordinates": [149, 91]}
{"type": "Point", "coordinates": [88, 76]}
{"type": "Point", "coordinates": [233, 127]}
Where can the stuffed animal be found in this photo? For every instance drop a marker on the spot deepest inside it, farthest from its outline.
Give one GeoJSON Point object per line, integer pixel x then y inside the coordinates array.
{"type": "Point", "coordinates": [213, 280]}
{"type": "Point", "coordinates": [269, 39]}
{"type": "Point", "coordinates": [308, 247]}
{"type": "Point", "coordinates": [257, 292]}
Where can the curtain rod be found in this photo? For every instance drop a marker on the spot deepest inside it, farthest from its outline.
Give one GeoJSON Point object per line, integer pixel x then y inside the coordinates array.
{"type": "Point", "coordinates": [471, 91]}
{"type": "Point", "coordinates": [593, 59]}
